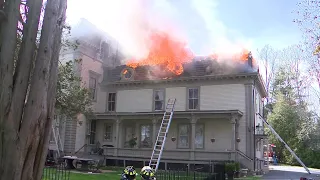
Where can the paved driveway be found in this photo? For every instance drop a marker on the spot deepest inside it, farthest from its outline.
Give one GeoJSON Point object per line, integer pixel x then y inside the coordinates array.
{"type": "Point", "coordinates": [290, 173]}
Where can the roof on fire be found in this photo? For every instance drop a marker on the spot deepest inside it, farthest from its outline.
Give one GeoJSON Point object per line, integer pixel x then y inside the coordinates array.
{"type": "Point", "coordinates": [196, 68]}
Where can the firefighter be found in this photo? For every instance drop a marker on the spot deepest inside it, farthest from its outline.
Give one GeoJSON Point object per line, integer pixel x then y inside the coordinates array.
{"type": "Point", "coordinates": [129, 173]}
{"type": "Point", "coordinates": [147, 173]}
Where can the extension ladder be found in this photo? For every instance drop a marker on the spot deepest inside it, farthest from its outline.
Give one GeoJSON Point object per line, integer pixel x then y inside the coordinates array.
{"type": "Point", "coordinates": [162, 135]}
{"type": "Point", "coordinates": [56, 136]}
{"type": "Point", "coordinates": [284, 143]}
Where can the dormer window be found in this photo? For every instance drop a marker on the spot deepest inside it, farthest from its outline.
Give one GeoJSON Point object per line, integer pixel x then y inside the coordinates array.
{"type": "Point", "coordinates": [104, 50]}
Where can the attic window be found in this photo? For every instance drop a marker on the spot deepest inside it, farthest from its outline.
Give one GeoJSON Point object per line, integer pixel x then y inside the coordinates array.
{"type": "Point", "coordinates": [127, 73]}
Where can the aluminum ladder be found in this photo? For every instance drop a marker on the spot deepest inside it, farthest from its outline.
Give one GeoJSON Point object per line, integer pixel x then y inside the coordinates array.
{"type": "Point", "coordinates": [57, 139]}
{"type": "Point", "coordinates": [162, 135]}
{"type": "Point", "coordinates": [284, 143]}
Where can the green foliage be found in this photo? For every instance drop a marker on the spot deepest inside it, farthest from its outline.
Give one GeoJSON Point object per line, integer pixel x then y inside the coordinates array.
{"type": "Point", "coordinates": [230, 167]}
{"type": "Point", "coordinates": [284, 119]}
{"type": "Point", "coordinates": [292, 120]}
{"type": "Point", "coordinates": [71, 97]}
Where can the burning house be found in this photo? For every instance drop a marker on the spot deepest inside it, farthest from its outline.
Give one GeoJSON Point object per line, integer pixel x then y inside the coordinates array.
{"type": "Point", "coordinates": [215, 113]}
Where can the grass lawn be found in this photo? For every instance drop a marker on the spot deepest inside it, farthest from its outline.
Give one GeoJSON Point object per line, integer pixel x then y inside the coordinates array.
{"type": "Point", "coordinates": [104, 176]}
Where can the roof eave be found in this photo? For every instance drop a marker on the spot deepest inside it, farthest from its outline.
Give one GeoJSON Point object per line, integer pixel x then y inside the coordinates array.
{"type": "Point", "coordinates": [186, 79]}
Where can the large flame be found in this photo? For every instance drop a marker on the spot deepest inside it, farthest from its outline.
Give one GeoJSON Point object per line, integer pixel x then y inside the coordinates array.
{"type": "Point", "coordinates": [170, 54]}
{"type": "Point", "coordinates": [164, 51]}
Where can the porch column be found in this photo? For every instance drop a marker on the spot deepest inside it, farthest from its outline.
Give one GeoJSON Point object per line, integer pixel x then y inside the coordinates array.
{"type": "Point", "coordinates": [234, 143]}
{"type": "Point", "coordinates": [154, 129]}
{"type": "Point", "coordinates": [233, 122]}
{"type": "Point", "coordinates": [193, 122]}
{"type": "Point", "coordinates": [117, 137]}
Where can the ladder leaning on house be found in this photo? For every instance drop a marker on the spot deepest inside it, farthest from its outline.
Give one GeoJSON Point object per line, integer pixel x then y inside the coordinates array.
{"type": "Point", "coordinates": [162, 135]}
{"type": "Point", "coordinates": [57, 140]}
{"type": "Point", "coordinates": [284, 143]}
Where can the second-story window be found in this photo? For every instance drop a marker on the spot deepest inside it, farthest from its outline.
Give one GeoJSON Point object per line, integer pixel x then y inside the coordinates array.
{"type": "Point", "coordinates": [93, 87]}
{"type": "Point", "coordinates": [193, 98]}
{"type": "Point", "coordinates": [158, 100]}
{"type": "Point", "coordinates": [112, 102]}
{"type": "Point", "coordinates": [104, 50]}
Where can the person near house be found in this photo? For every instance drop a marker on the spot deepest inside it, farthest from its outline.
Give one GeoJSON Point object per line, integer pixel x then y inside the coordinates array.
{"type": "Point", "coordinates": [147, 173]}
{"type": "Point", "coordinates": [275, 162]}
{"type": "Point", "coordinates": [129, 173]}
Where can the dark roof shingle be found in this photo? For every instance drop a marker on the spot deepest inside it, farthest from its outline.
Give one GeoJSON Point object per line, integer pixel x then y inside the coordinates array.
{"type": "Point", "coordinates": [198, 67]}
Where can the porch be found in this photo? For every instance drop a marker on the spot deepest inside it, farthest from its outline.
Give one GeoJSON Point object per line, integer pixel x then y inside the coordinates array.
{"type": "Point", "coordinates": [192, 137]}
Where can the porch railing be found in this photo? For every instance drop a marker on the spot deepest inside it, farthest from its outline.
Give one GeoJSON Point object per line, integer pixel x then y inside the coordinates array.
{"type": "Point", "coordinates": [178, 154]}
{"type": "Point", "coordinates": [245, 160]}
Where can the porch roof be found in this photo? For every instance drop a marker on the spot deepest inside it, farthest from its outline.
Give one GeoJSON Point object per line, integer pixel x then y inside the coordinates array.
{"type": "Point", "coordinates": [177, 114]}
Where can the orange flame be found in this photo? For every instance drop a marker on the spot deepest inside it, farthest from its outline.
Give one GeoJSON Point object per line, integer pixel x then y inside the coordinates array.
{"type": "Point", "coordinates": [170, 54]}
{"type": "Point", "coordinates": [165, 51]}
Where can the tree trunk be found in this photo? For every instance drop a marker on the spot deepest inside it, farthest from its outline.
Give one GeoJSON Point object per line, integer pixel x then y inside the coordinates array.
{"type": "Point", "coordinates": [8, 135]}
{"type": "Point", "coordinates": [26, 118]}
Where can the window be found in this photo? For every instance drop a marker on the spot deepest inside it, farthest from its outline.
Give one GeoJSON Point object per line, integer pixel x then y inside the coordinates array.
{"type": "Point", "coordinates": [261, 106]}
{"type": "Point", "coordinates": [93, 87]}
{"type": "Point", "coordinates": [146, 138]}
{"type": "Point", "coordinates": [158, 100]}
{"type": "Point", "coordinates": [257, 103]}
{"type": "Point", "coordinates": [258, 148]}
{"type": "Point", "coordinates": [184, 131]}
{"type": "Point", "coordinates": [112, 102]}
{"type": "Point", "coordinates": [93, 126]}
{"type": "Point", "coordinates": [129, 137]}
{"type": "Point", "coordinates": [107, 132]}
{"type": "Point", "coordinates": [104, 50]}
{"type": "Point", "coordinates": [199, 136]}
{"type": "Point", "coordinates": [193, 97]}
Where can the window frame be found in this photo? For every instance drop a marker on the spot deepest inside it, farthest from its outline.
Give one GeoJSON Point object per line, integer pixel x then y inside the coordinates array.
{"type": "Point", "coordinates": [163, 101]}
{"type": "Point", "coordinates": [94, 94]}
{"type": "Point", "coordinates": [188, 99]}
{"type": "Point", "coordinates": [151, 134]}
{"type": "Point", "coordinates": [203, 136]}
{"type": "Point", "coordinates": [95, 76]}
{"type": "Point", "coordinates": [102, 50]}
{"type": "Point", "coordinates": [188, 136]}
{"type": "Point", "coordinates": [105, 132]}
{"type": "Point", "coordinates": [109, 101]}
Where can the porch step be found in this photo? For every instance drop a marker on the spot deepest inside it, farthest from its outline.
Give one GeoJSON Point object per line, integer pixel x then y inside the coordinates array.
{"type": "Point", "coordinates": [162, 134]}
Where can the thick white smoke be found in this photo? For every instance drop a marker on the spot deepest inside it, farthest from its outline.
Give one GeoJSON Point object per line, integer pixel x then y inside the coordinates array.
{"type": "Point", "coordinates": [131, 21]}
